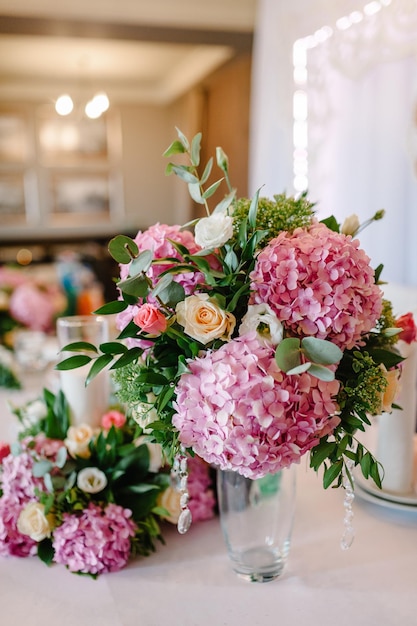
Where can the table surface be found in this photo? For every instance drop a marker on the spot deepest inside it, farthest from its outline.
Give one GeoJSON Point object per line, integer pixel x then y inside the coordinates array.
{"type": "Point", "coordinates": [189, 581]}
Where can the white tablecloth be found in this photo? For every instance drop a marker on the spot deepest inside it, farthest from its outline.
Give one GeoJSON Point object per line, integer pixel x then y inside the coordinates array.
{"type": "Point", "coordinates": [189, 581]}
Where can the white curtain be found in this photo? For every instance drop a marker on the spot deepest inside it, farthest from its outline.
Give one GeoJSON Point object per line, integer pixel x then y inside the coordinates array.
{"type": "Point", "coordinates": [362, 94]}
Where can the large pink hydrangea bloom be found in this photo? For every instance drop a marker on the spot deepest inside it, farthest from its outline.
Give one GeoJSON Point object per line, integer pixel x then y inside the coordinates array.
{"type": "Point", "coordinates": [156, 238]}
{"type": "Point", "coordinates": [96, 541]}
{"type": "Point", "coordinates": [237, 410]}
{"type": "Point", "coordinates": [319, 283]}
{"type": "Point", "coordinates": [18, 485]}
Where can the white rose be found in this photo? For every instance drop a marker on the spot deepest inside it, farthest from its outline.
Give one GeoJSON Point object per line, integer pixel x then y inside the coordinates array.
{"type": "Point", "coordinates": [33, 522]}
{"type": "Point", "coordinates": [213, 231]}
{"type": "Point", "coordinates": [156, 456]}
{"type": "Point", "coordinates": [77, 440]}
{"type": "Point", "coordinates": [170, 500]}
{"type": "Point", "coordinates": [351, 225]}
{"type": "Point", "coordinates": [91, 480]}
{"type": "Point", "coordinates": [35, 411]}
{"type": "Point", "coordinates": [204, 320]}
{"type": "Point", "coordinates": [262, 319]}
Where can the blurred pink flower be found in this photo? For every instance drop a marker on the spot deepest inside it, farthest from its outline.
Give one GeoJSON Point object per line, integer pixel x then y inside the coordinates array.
{"type": "Point", "coordinates": [236, 409]}
{"type": "Point", "coordinates": [32, 307]}
{"type": "Point", "coordinates": [96, 541]}
{"type": "Point", "coordinates": [113, 418]}
{"type": "Point", "coordinates": [4, 450]}
{"type": "Point", "coordinates": [12, 542]}
{"type": "Point", "coordinates": [202, 501]}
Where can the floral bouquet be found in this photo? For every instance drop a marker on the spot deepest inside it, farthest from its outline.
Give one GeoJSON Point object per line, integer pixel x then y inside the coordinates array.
{"type": "Point", "coordinates": [251, 336]}
{"type": "Point", "coordinates": [88, 499]}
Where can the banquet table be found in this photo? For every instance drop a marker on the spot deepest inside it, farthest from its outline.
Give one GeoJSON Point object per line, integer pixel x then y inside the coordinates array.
{"type": "Point", "coordinates": [189, 580]}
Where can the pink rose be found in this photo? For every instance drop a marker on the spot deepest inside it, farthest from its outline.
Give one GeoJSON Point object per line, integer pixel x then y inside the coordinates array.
{"type": "Point", "coordinates": [409, 331]}
{"type": "Point", "coordinates": [150, 319]}
{"type": "Point", "coordinates": [4, 450]}
{"type": "Point", "coordinates": [113, 418]}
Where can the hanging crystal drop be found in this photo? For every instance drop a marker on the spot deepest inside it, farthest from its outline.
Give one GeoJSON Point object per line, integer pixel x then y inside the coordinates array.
{"type": "Point", "coordinates": [349, 532]}
{"type": "Point", "coordinates": [179, 479]}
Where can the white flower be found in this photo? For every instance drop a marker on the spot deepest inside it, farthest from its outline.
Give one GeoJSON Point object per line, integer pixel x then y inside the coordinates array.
{"type": "Point", "coordinates": [33, 522]}
{"type": "Point", "coordinates": [91, 480]}
{"type": "Point", "coordinates": [213, 231]}
{"type": "Point", "coordinates": [262, 319]}
{"type": "Point", "coordinates": [156, 456]}
{"type": "Point", "coordinates": [203, 319]}
{"type": "Point", "coordinates": [77, 440]}
{"type": "Point", "coordinates": [34, 411]}
{"type": "Point", "coordinates": [351, 225]}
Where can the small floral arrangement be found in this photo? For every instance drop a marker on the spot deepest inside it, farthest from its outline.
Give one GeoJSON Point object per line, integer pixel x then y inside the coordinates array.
{"type": "Point", "coordinates": [28, 301]}
{"type": "Point", "coordinates": [88, 498]}
{"type": "Point", "coordinates": [254, 335]}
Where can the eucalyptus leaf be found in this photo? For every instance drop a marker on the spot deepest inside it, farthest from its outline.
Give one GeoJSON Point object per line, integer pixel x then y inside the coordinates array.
{"type": "Point", "coordinates": [225, 203]}
{"type": "Point", "coordinates": [61, 457]}
{"type": "Point", "coordinates": [195, 150]}
{"type": "Point", "coordinates": [162, 284]}
{"type": "Point", "coordinates": [175, 148]}
{"type": "Point", "coordinates": [321, 351]}
{"type": "Point", "coordinates": [40, 468]}
{"type": "Point", "coordinates": [142, 263]}
{"type": "Point", "coordinates": [287, 354]}
{"type": "Point", "coordinates": [321, 372]}
{"type": "Point", "coordinates": [183, 172]}
{"type": "Point", "coordinates": [212, 189]}
{"type": "Point", "coordinates": [134, 286]}
{"type": "Point", "coordinates": [172, 294]}
{"type": "Point", "coordinates": [195, 192]}
{"type": "Point", "coordinates": [123, 249]}
{"type": "Point", "coordinates": [300, 369]}
{"type": "Point", "coordinates": [183, 139]}
{"type": "Point", "coordinates": [207, 171]}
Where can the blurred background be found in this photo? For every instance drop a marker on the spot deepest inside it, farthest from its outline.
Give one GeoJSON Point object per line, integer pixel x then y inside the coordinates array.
{"type": "Point", "coordinates": [310, 95]}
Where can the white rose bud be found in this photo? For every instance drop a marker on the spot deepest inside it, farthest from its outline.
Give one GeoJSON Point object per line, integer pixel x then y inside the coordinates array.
{"type": "Point", "coordinates": [91, 480]}
{"type": "Point", "coordinates": [77, 440]}
{"type": "Point", "coordinates": [204, 320]}
{"type": "Point", "coordinates": [213, 231]}
{"type": "Point", "coordinates": [33, 522]}
{"type": "Point", "coordinates": [262, 319]}
{"type": "Point", "coordinates": [351, 225]}
{"type": "Point", "coordinates": [170, 500]}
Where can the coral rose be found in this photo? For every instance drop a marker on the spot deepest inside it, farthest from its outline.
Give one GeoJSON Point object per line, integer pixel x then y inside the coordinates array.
{"type": "Point", "coordinates": [150, 319]}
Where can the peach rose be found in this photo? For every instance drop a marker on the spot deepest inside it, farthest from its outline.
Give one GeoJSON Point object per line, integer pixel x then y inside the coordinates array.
{"type": "Point", "coordinates": [77, 440]}
{"type": "Point", "coordinates": [170, 500]}
{"type": "Point", "coordinates": [150, 319]}
{"type": "Point", "coordinates": [204, 320]}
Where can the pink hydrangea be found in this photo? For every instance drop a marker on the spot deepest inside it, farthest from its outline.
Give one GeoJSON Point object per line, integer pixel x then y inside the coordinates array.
{"type": "Point", "coordinates": [156, 238]}
{"type": "Point", "coordinates": [16, 479]}
{"type": "Point", "coordinates": [319, 283]}
{"type": "Point", "coordinates": [18, 486]}
{"type": "Point", "coordinates": [12, 542]}
{"type": "Point", "coordinates": [96, 541]}
{"type": "Point", "coordinates": [202, 501]}
{"type": "Point", "coordinates": [237, 410]}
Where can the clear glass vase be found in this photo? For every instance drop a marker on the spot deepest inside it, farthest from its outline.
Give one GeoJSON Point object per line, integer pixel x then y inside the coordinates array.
{"type": "Point", "coordinates": [256, 517]}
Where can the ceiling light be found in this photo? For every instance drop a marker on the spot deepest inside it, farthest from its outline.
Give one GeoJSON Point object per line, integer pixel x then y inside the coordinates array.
{"type": "Point", "coordinates": [64, 105]}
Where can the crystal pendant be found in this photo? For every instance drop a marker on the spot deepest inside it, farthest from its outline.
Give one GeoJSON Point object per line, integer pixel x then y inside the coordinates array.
{"type": "Point", "coordinates": [179, 480]}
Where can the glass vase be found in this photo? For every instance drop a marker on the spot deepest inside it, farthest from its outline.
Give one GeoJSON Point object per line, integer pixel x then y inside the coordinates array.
{"type": "Point", "coordinates": [256, 518]}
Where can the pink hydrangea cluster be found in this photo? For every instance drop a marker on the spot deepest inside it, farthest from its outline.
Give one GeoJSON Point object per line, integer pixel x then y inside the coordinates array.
{"type": "Point", "coordinates": [202, 501]}
{"type": "Point", "coordinates": [96, 541]}
{"type": "Point", "coordinates": [319, 283]}
{"type": "Point", "coordinates": [237, 410]}
{"type": "Point", "coordinates": [156, 238]}
{"type": "Point", "coordinates": [34, 307]}
{"type": "Point", "coordinates": [18, 486]}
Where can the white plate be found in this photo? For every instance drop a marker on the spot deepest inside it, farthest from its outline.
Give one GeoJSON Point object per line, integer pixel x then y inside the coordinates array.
{"type": "Point", "coordinates": [387, 504]}
{"type": "Point", "coordinates": [408, 499]}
